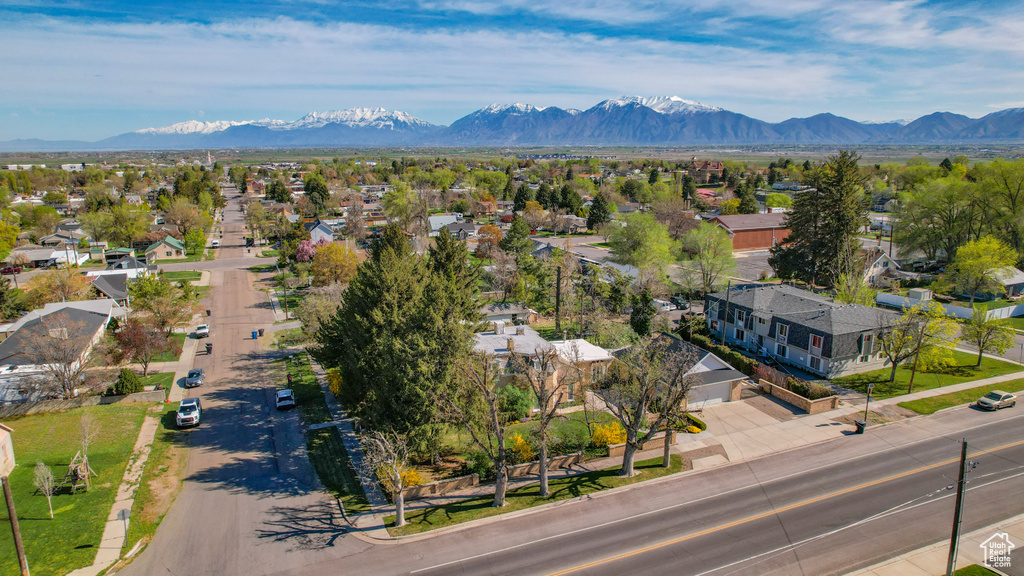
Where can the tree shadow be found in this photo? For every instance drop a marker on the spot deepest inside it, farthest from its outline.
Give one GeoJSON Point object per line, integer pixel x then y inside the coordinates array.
{"type": "Point", "coordinates": [308, 528]}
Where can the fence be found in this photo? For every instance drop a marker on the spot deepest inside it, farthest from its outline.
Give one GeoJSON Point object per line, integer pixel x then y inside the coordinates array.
{"type": "Point", "coordinates": [805, 404]}
{"type": "Point", "coordinates": [960, 312]}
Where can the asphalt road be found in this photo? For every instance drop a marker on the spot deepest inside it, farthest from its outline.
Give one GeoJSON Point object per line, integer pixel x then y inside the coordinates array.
{"type": "Point", "coordinates": [251, 503]}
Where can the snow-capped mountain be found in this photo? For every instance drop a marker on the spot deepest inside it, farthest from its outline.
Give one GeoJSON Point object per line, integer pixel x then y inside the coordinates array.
{"type": "Point", "coordinates": [628, 120]}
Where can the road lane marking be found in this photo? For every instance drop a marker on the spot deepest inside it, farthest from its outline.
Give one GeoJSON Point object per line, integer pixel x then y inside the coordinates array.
{"type": "Point", "coordinates": [777, 511]}
{"type": "Point", "coordinates": [891, 448]}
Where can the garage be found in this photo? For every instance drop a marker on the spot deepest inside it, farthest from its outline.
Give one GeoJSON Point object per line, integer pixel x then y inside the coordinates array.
{"type": "Point", "coordinates": [715, 386]}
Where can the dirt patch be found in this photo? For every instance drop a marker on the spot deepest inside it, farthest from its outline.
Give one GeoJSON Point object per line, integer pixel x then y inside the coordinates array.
{"type": "Point", "coordinates": [689, 457]}
{"type": "Point", "coordinates": [774, 407]}
{"type": "Point", "coordinates": [448, 467]}
{"type": "Point", "coordinates": [167, 481]}
{"type": "Point", "coordinates": [880, 416]}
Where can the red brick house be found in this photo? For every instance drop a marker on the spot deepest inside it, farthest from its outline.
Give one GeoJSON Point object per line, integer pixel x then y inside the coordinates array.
{"type": "Point", "coordinates": [754, 231]}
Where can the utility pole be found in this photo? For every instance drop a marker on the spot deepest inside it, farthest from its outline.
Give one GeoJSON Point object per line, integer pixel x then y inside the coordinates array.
{"type": "Point", "coordinates": [961, 487]}
{"type": "Point", "coordinates": [19, 547]}
{"type": "Point", "coordinates": [558, 299]}
{"type": "Point", "coordinates": [728, 288]}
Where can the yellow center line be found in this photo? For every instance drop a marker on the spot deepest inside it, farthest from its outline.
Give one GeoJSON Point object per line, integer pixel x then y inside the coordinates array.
{"type": "Point", "coordinates": [774, 511]}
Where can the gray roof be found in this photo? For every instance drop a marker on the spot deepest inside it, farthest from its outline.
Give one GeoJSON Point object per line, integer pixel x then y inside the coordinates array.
{"type": "Point", "coordinates": [497, 344]}
{"type": "Point", "coordinates": [505, 308]}
{"type": "Point", "coordinates": [114, 286]}
{"type": "Point", "coordinates": [753, 221]}
{"type": "Point", "coordinates": [85, 321]}
{"type": "Point", "coordinates": [126, 263]}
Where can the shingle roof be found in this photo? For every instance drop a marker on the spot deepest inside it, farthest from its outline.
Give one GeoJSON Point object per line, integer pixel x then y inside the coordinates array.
{"type": "Point", "coordinates": [114, 286]}
{"type": "Point", "coordinates": [753, 221]}
{"type": "Point", "coordinates": [169, 240]}
{"type": "Point", "coordinates": [85, 321]}
{"type": "Point", "coordinates": [497, 344]}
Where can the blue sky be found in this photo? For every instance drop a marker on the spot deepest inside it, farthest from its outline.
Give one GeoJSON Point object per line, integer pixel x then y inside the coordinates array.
{"type": "Point", "coordinates": [91, 69]}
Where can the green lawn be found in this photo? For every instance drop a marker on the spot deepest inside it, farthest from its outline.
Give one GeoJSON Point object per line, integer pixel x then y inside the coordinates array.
{"type": "Point", "coordinates": [190, 275]}
{"type": "Point", "coordinates": [1016, 323]}
{"type": "Point", "coordinates": [270, 253]}
{"type": "Point", "coordinates": [601, 245]}
{"type": "Point", "coordinates": [261, 268]}
{"type": "Point", "coordinates": [162, 379]}
{"type": "Point", "coordinates": [331, 462]}
{"type": "Point", "coordinates": [309, 398]}
{"type": "Point", "coordinates": [943, 401]}
{"type": "Point", "coordinates": [192, 258]}
{"type": "Point", "coordinates": [174, 351]}
{"type": "Point", "coordinates": [571, 431]}
{"type": "Point", "coordinates": [291, 300]}
{"type": "Point", "coordinates": [963, 371]}
{"type": "Point", "coordinates": [987, 305]}
{"type": "Point", "coordinates": [289, 337]}
{"type": "Point", "coordinates": [161, 479]}
{"type": "Point", "coordinates": [974, 570]}
{"type": "Point", "coordinates": [529, 496]}
{"type": "Point", "coordinates": [71, 539]}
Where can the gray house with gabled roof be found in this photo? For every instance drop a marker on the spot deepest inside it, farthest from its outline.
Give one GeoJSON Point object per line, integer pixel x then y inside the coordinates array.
{"type": "Point", "coordinates": [800, 328]}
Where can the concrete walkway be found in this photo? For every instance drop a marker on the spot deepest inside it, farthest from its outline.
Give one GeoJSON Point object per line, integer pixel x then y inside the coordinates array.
{"type": "Point", "coordinates": [113, 537]}
{"type": "Point", "coordinates": [932, 560]}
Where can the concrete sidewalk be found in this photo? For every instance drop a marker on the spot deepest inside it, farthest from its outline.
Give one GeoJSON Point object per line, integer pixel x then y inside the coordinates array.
{"type": "Point", "coordinates": [931, 560]}
{"type": "Point", "coordinates": [948, 389]}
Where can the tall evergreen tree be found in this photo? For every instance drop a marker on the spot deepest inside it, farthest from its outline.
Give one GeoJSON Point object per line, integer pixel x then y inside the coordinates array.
{"type": "Point", "coordinates": [523, 195]}
{"type": "Point", "coordinates": [823, 223]}
{"type": "Point", "coordinates": [518, 238]}
{"type": "Point", "coordinates": [544, 193]}
{"type": "Point", "coordinates": [599, 212]}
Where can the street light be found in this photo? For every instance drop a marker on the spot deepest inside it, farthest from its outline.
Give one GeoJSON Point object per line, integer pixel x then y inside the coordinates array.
{"type": "Point", "coordinates": [868, 403]}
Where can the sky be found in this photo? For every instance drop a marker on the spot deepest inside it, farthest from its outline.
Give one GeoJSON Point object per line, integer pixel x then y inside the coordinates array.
{"type": "Point", "coordinates": [90, 69]}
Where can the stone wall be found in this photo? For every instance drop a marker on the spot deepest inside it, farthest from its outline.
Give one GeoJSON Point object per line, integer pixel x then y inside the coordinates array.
{"type": "Point", "coordinates": [616, 450]}
{"type": "Point", "coordinates": [441, 487]}
{"type": "Point", "coordinates": [790, 397]}
{"type": "Point", "coordinates": [554, 463]}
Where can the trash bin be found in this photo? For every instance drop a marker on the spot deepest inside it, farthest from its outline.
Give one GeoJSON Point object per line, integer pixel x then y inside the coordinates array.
{"type": "Point", "coordinates": [207, 311]}
{"type": "Point", "coordinates": [861, 425]}
{"type": "Point", "coordinates": [253, 334]}
{"type": "Point", "coordinates": [209, 348]}
{"type": "Point", "coordinates": [261, 332]}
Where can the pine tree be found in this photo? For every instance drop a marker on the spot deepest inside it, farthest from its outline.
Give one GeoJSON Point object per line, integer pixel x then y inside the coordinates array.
{"type": "Point", "coordinates": [518, 238]}
{"type": "Point", "coordinates": [523, 195]}
{"type": "Point", "coordinates": [544, 196]}
{"type": "Point", "coordinates": [599, 212]}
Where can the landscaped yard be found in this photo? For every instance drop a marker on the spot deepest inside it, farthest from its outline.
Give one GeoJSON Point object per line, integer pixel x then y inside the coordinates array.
{"type": "Point", "coordinates": [270, 253]}
{"type": "Point", "coordinates": [161, 479]}
{"type": "Point", "coordinates": [289, 337]}
{"type": "Point", "coordinates": [941, 402]}
{"type": "Point", "coordinates": [174, 351]}
{"type": "Point", "coordinates": [190, 275]}
{"type": "Point", "coordinates": [529, 496]}
{"type": "Point", "coordinates": [600, 245]}
{"type": "Point", "coordinates": [71, 539]}
{"type": "Point", "coordinates": [974, 570]}
{"type": "Point", "coordinates": [963, 371]}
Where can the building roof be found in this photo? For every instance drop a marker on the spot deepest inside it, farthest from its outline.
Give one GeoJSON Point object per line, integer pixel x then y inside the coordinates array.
{"type": "Point", "coordinates": [502, 308]}
{"type": "Point", "coordinates": [524, 339]}
{"type": "Point", "coordinates": [126, 263]}
{"type": "Point", "coordinates": [441, 220]}
{"type": "Point", "coordinates": [580, 350]}
{"type": "Point", "coordinates": [736, 222]}
{"type": "Point", "coordinates": [1009, 275]}
{"type": "Point", "coordinates": [170, 241]}
{"type": "Point", "coordinates": [86, 320]}
{"type": "Point", "coordinates": [114, 286]}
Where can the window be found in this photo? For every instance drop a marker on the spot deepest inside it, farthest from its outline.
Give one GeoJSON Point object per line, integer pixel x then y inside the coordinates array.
{"type": "Point", "coordinates": [714, 325]}
{"type": "Point", "coordinates": [816, 341]}
{"type": "Point", "coordinates": [867, 344]}
{"type": "Point", "coordinates": [783, 330]}
{"type": "Point", "coordinates": [740, 317]}
{"type": "Point", "coordinates": [761, 321]}
{"type": "Point", "coordinates": [570, 394]}
{"type": "Point", "coordinates": [168, 253]}
{"type": "Point", "coordinates": [740, 335]}
{"type": "Point", "coordinates": [780, 350]}
{"type": "Point", "coordinates": [815, 363]}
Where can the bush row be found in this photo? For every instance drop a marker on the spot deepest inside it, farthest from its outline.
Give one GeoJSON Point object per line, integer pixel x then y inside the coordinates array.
{"type": "Point", "coordinates": [737, 360]}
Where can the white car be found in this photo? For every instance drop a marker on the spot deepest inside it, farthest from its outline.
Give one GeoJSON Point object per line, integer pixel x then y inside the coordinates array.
{"type": "Point", "coordinates": [215, 244]}
{"type": "Point", "coordinates": [285, 399]}
{"type": "Point", "coordinates": [189, 412]}
{"type": "Point", "coordinates": [663, 306]}
{"type": "Point", "coordinates": [203, 331]}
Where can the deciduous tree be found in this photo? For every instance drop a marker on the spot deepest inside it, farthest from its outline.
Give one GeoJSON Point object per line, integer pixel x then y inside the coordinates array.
{"type": "Point", "coordinates": [991, 335]}
{"type": "Point", "coordinates": [980, 266]}
{"type": "Point", "coordinates": [333, 264]}
{"type": "Point", "coordinates": [711, 254]}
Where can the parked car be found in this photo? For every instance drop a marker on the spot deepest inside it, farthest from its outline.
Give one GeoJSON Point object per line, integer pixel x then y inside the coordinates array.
{"type": "Point", "coordinates": [215, 244]}
{"type": "Point", "coordinates": [203, 331]}
{"type": "Point", "coordinates": [663, 306]}
{"type": "Point", "coordinates": [997, 399]}
{"type": "Point", "coordinates": [285, 399]}
{"type": "Point", "coordinates": [189, 412]}
{"type": "Point", "coordinates": [11, 270]}
{"type": "Point", "coordinates": [194, 378]}
{"type": "Point", "coordinates": [680, 302]}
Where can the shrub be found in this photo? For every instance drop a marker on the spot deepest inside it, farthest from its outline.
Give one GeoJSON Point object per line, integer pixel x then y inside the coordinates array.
{"type": "Point", "coordinates": [334, 381]}
{"type": "Point", "coordinates": [693, 430]}
{"type": "Point", "coordinates": [479, 463]}
{"type": "Point", "coordinates": [809, 390]}
{"type": "Point", "coordinates": [128, 382]}
{"type": "Point", "coordinates": [522, 451]}
{"type": "Point", "coordinates": [694, 421]}
{"type": "Point", "coordinates": [605, 434]}
{"type": "Point", "coordinates": [514, 403]}
{"type": "Point", "coordinates": [410, 477]}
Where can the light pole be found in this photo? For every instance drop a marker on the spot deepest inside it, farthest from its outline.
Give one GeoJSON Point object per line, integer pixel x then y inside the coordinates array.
{"type": "Point", "coordinates": [868, 403]}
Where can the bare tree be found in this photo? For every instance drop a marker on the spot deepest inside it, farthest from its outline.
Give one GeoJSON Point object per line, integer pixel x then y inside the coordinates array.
{"type": "Point", "coordinates": [44, 482]}
{"type": "Point", "coordinates": [474, 403]}
{"type": "Point", "coordinates": [88, 429]}
{"type": "Point", "coordinates": [387, 457]}
{"type": "Point", "coordinates": [61, 349]}
{"type": "Point", "coordinates": [539, 374]}
{"type": "Point", "coordinates": [647, 389]}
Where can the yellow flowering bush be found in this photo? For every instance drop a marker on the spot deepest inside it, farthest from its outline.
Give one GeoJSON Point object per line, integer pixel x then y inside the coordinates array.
{"type": "Point", "coordinates": [605, 434]}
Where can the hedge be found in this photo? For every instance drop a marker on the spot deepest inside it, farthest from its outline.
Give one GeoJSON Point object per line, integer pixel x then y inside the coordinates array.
{"type": "Point", "coordinates": [734, 358]}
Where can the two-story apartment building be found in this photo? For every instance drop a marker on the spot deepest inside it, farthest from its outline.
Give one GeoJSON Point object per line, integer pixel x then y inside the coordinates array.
{"type": "Point", "coordinates": [800, 328]}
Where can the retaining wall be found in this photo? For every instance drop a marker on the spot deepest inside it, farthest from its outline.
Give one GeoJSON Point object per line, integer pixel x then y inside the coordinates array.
{"type": "Point", "coordinates": [805, 404]}
{"type": "Point", "coordinates": [441, 487]}
{"type": "Point", "coordinates": [616, 450]}
{"type": "Point", "coordinates": [26, 408]}
{"type": "Point", "coordinates": [554, 463]}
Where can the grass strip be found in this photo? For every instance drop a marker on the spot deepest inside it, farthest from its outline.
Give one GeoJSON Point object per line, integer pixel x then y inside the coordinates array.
{"type": "Point", "coordinates": [963, 370]}
{"type": "Point", "coordinates": [943, 401]}
{"type": "Point", "coordinates": [309, 398]}
{"type": "Point", "coordinates": [331, 462]}
{"type": "Point", "coordinates": [529, 496]}
{"type": "Point", "coordinates": [190, 275]}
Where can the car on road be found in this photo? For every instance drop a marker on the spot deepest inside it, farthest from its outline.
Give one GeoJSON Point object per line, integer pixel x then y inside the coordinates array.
{"type": "Point", "coordinates": [194, 378]}
{"type": "Point", "coordinates": [285, 399]}
{"type": "Point", "coordinates": [203, 331]}
{"type": "Point", "coordinates": [215, 244]}
{"type": "Point", "coordinates": [997, 399]}
{"type": "Point", "coordinates": [189, 412]}
{"type": "Point", "coordinates": [11, 270]}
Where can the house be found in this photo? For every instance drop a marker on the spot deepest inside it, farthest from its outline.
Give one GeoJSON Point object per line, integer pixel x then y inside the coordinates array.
{"type": "Point", "coordinates": [153, 236]}
{"type": "Point", "coordinates": [509, 313]}
{"type": "Point", "coordinates": [463, 230]}
{"type": "Point", "coordinates": [82, 324]}
{"type": "Point", "coordinates": [168, 247]}
{"type": "Point", "coordinates": [716, 380]}
{"type": "Point", "coordinates": [1012, 280]}
{"type": "Point", "coordinates": [578, 360]}
{"type": "Point", "coordinates": [40, 256]}
{"type": "Point", "coordinates": [879, 268]}
{"type": "Point", "coordinates": [61, 238]}
{"type": "Point", "coordinates": [704, 170]}
{"type": "Point", "coordinates": [128, 265]}
{"type": "Point", "coordinates": [799, 328]}
{"type": "Point", "coordinates": [754, 231]}
{"type": "Point", "coordinates": [439, 221]}
{"type": "Point", "coordinates": [484, 207]}
{"type": "Point", "coordinates": [116, 254]}
{"type": "Point", "coordinates": [786, 185]}
{"type": "Point", "coordinates": [113, 286]}
{"type": "Point", "coordinates": [319, 231]}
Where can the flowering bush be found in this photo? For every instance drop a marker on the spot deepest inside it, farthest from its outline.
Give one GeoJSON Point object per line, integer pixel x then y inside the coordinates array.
{"type": "Point", "coordinates": [605, 434]}
{"type": "Point", "coordinates": [522, 450]}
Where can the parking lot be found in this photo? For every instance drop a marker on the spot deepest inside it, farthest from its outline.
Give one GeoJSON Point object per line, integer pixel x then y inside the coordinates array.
{"type": "Point", "coordinates": [750, 265]}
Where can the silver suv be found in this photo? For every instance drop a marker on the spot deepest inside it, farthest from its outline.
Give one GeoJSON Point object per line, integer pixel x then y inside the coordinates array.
{"type": "Point", "coordinates": [189, 412]}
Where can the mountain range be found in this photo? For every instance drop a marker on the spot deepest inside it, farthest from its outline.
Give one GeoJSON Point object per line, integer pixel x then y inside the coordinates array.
{"type": "Point", "coordinates": [629, 120]}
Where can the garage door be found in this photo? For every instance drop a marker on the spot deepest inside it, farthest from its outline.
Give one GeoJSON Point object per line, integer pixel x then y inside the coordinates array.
{"type": "Point", "coordinates": [709, 394]}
